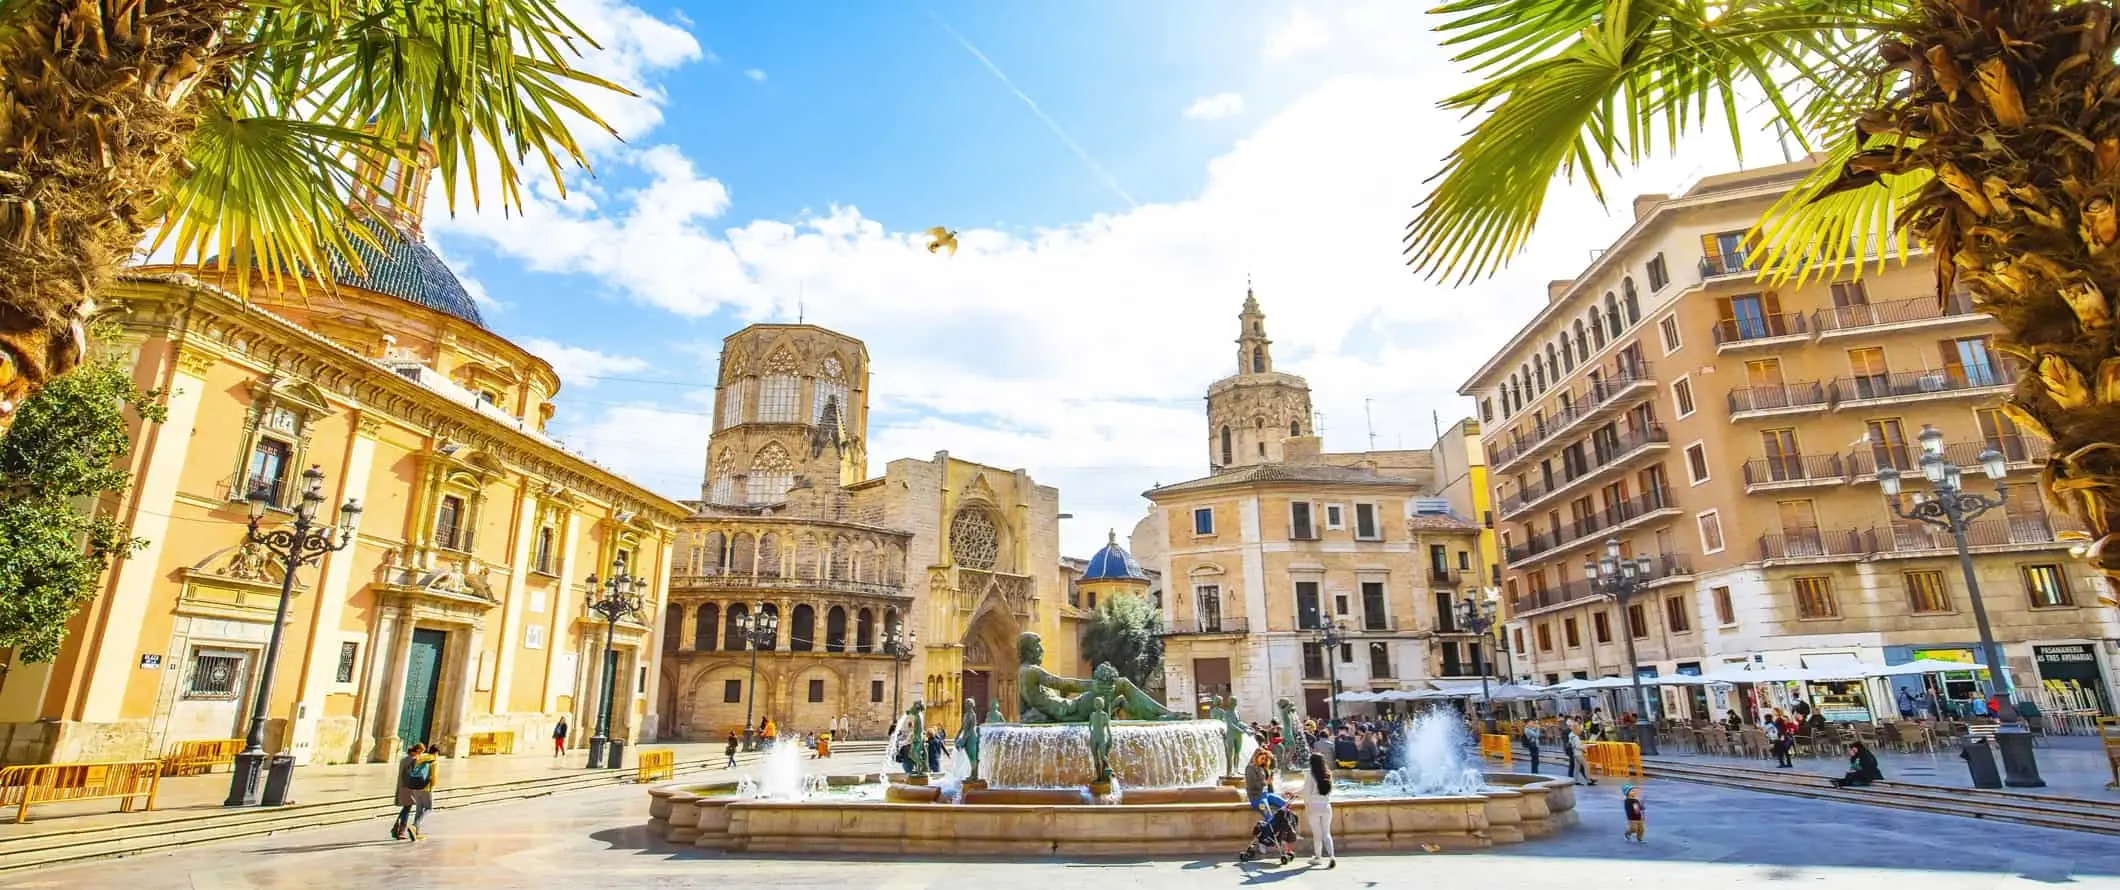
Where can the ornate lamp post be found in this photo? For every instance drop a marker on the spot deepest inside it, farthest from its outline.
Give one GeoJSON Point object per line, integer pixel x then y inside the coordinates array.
{"type": "Point", "coordinates": [304, 543]}
{"type": "Point", "coordinates": [759, 629]}
{"type": "Point", "coordinates": [613, 598]}
{"type": "Point", "coordinates": [1619, 580]}
{"type": "Point", "coordinates": [1954, 508]}
{"type": "Point", "coordinates": [1476, 615]}
{"type": "Point", "coordinates": [1331, 637]}
{"type": "Point", "coordinates": [898, 643]}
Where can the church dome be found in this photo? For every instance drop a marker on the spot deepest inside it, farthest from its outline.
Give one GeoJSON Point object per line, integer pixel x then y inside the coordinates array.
{"type": "Point", "coordinates": [406, 268]}
{"type": "Point", "coordinates": [1113, 563]}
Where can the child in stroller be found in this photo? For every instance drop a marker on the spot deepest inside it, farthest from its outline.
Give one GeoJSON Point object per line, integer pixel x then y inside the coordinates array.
{"type": "Point", "coordinates": [1276, 830]}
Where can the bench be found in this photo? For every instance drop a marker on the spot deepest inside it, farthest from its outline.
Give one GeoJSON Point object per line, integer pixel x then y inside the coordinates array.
{"type": "Point", "coordinates": [656, 763]}
{"type": "Point", "coordinates": [492, 743]}
{"type": "Point", "coordinates": [125, 780]}
{"type": "Point", "coordinates": [201, 756]}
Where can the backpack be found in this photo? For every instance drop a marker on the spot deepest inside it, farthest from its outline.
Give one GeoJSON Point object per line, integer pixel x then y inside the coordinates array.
{"type": "Point", "coordinates": [420, 775]}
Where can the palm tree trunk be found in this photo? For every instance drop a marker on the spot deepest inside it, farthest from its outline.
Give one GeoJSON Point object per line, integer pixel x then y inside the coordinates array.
{"type": "Point", "coordinates": [97, 99]}
{"type": "Point", "coordinates": [2015, 106]}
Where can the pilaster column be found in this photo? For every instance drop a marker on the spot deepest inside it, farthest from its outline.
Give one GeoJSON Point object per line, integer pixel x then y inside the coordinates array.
{"type": "Point", "coordinates": [460, 707]}
{"type": "Point", "coordinates": [320, 667]}
{"type": "Point", "coordinates": [387, 682]}
{"type": "Point", "coordinates": [510, 632]}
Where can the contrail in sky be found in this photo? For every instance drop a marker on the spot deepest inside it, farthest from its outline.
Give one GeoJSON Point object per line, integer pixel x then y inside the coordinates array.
{"type": "Point", "coordinates": [1050, 124]}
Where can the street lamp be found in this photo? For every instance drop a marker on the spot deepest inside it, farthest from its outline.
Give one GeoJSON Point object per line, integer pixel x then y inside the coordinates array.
{"type": "Point", "coordinates": [613, 598]}
{"type": "Point", "coordinates": [1330, 637]}
{"type": "Point", "coordinates": [898, 643]}
{"type": "Point", "coordinates": [1619, 580]}
{"type": "Point", "coordinates": [759, 629]}
{"type": "Point", "coordinates": [1954, 508]}
{"type": "Point", "coordinates": [304, 543]}
{"type": "Point", "coordinates": [1476, 615]}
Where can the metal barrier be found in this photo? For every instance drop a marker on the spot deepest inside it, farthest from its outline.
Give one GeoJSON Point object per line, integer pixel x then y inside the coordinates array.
{"type": "Point", "coordinates": [57, 782]}
{"type": "Point", "coordinates": [1614, 758]}
{"type": "Point", "coordinates": [200, 756]}
{"type": "Point", "coordinates": [1497, 747]}
{"type": "Point", "coordinates": [492, 743]}
{"type": "Point", "coordinates": [658, 763]}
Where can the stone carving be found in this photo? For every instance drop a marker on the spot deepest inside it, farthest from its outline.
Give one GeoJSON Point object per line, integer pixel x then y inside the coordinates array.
{"type": "Point", "coordinates": [974, 541]}
{"type": "Point", "coordinates": [831, 368]}
{"type": "Point", "coordinates": [725, 462]}
{"type": "Point", "coordinates": [979, 490]}
{"type": "Point", "coordinates": [248, 563]}
{"type": "Point", "coordinates": [732, 363]}
{"type": "Point", "coordinates": [773, 459]}
{"type": "Point", "coordinates": [975, 652]}
{"type": "Point", "coordinates": [1045, 697]}
{"type": "Point", "coordinates": [1014, 591]}
{"type": "Point", "coordinates": [783, 361]}
{"type": "Point", "coordinates": [968, 736]}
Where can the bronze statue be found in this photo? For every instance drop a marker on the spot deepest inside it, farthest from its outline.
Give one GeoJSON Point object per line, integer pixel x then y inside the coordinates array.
{"type": "Point", "coordinates": [993, 715]}
{"type": "Point", "coordinates": [916, 723]}
{"type": "Point", "coordinates": [1100, 741]}
{"type": "Point", "coordinates": [968, 736]}
{"type": "Point", "coordinates": [1233, 733]}
{"type": "Point", "coordinates": [1050, 698]}
{"type": "Point", "coordinates": [1291, 734]}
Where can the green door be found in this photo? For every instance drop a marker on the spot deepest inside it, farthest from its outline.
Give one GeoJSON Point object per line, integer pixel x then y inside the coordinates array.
{"type": "Point", "coordinates": [423, 678]}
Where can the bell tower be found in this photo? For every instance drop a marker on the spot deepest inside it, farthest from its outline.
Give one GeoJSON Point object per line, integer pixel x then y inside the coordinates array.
{"type": "Point", "coordinates": [792, 408]}
{"type": "Point", "coordinates": [1251, 413]}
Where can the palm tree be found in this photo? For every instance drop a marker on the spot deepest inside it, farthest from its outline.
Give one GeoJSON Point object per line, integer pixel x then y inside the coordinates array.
{"type": "Point", "coordinates": [249, 129]}
{"type": "Point", "coordinates": [1987, 131]}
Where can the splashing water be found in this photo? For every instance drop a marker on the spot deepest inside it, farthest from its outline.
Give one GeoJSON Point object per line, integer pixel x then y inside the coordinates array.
{"type": "Point", "coordinates": [1434, 757]}
{"type": "Point", "coordinates": [1181, 754]}
{"type": "Point", "coordinates": [783, 778]}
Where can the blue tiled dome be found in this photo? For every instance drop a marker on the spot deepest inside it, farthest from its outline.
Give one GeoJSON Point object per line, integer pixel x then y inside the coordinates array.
{"type": "Point", "coordinates": [1113, 563]}
{"type": "Point", "coordinates": [407, 269]}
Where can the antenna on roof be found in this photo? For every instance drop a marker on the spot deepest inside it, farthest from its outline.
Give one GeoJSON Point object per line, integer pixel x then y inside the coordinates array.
{"type": "Point", "coordinates": [799, 293]}
{"type": "Point", "coordinates": [1370, 422]}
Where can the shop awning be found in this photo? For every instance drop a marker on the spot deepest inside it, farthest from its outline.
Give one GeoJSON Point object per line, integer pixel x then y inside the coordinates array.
{"type": "Point", "coordinates": [1765, 675]}
{"type": "Point", "coordinates": [1835, 666]}
{"type": "Point", "coordinates": [1356, 695]}
{"type": "Point", "coordinates": [1923, 666]}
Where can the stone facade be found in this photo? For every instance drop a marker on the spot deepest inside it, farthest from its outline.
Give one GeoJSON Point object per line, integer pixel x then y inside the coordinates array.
{"type": "Point", "coordinates": [1250, 413]}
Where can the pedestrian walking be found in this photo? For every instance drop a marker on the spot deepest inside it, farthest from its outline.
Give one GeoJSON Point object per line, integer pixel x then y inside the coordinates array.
{"type": "Point", "coordinates": [559, 738]}
{"type": "Point", "coordinates": [415, 792]}
{"type": "Point", "coordinates": [730, 750]}
{"type": "Point", "coordinates": [824, 746]}
{"type": "Point", "coordinates": [1631, 800]}
{"type": "Point", "coordinates": [1576, 769]}
{"type": "Point", "coordinates": [1531, 740]}
{"type": "Point", "coordinates": [1782, 734]}
{"type": "Point", "coordinates": [1317, 811]}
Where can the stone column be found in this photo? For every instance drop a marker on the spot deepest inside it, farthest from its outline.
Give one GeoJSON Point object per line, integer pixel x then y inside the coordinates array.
{"type": "Point", "coordinates": [510, 632]}
{"type": "Point", "coordinates": [387, 683]}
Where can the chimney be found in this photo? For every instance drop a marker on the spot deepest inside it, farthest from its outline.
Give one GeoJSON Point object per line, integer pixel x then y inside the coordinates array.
{"type": "Point", "coordinates": [1303, 450]}
{"type": "Point", "coordinates": [1644, 203]}
{"type": "Point", "coordinates": [1554, 289]}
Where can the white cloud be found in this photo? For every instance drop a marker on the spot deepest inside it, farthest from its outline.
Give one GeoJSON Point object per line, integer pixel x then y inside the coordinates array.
{"type": "Point", "coordinates": [1215, 107]}
{"type": "Point", "coordinates": [1301, 33]}
{"type": "Point", "coordinates": [754, 74]}
{"type": "Point", "coordinates": [1081, 352]}
{"type": "Point", "coordinates": [580, 367]}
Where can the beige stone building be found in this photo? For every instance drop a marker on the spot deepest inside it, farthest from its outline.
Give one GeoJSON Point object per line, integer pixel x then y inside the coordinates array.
{"type": "Point", "coordinates": [1731, 431]}
{"type": "Point", "coordinates": [1282, 539]}
{"type": "Point", "coordinates": [959, 556]}
{"type": "Point", "coordinates": [457, 610]}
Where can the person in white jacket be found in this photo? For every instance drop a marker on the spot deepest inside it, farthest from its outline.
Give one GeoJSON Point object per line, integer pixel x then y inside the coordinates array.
{"type": "Point", "coordinates": [1317, 811]}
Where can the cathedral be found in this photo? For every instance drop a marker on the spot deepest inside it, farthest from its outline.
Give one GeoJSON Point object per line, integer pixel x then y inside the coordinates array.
{"type": "Point", "coordinates": [804, 590]}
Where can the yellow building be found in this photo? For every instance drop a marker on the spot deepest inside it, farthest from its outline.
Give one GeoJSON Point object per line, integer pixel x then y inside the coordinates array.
{"type": "Point", "coordinates": [1731, 431]}
{"type": "Point", "coordinates": [957, 556]}
{"type": "Point", "coordinates": [458, 608]}
{"type": "Point", "coordinates": [1282, 540]}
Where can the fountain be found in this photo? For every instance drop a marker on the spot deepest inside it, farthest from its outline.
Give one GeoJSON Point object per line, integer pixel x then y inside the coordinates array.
{"type": "Point", "coordinates": [1069, 779]}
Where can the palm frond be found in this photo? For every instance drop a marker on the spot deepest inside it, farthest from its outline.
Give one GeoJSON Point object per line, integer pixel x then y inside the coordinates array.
{"type": "Point", "coordinates": [1810, 234]}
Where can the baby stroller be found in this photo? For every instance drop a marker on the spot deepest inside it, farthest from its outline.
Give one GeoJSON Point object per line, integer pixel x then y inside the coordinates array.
{"type": "Point", "coordinates": [1276, 830]}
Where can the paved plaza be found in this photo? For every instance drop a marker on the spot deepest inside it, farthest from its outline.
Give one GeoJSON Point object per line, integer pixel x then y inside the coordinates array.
{"type": "Point", "coordinates": [1699, 837]}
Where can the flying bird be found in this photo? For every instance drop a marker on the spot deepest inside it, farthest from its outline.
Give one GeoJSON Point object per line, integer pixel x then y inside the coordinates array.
{"type": "Point", "coordinates": [939, 238]}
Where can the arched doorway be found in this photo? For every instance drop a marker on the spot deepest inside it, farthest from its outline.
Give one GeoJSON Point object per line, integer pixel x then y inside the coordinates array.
{"type": "Point", "coordinates": [989, 673]}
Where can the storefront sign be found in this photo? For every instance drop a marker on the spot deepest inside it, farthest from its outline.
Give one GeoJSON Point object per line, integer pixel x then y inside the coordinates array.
{"type": "Point", "coordinates": [150, 662]}
{"type": "Point", "coordinates": [2064, 654]}
{"type": "Point", "coordinates": [1963, 656]}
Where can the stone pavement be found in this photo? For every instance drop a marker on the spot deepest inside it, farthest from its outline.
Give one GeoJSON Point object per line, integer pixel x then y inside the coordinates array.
{"type": "Point", "coordinates": [2073, 766]}
{"type": "Point", "coordinates": [183, 796]}
{"type": "Point", "coordinates": [1698, 837]}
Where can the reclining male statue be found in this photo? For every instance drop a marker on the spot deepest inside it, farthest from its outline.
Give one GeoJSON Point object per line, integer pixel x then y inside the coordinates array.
{"type": "Point", "coordinates": [1045, 697]}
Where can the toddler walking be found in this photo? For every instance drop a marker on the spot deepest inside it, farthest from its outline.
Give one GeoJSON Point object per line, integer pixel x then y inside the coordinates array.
{"type": "Point", "coordinates": [1632, 800]}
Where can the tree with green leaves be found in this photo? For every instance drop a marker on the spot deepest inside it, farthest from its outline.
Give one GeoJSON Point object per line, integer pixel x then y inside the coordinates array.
{"type": "Point", "coordinates": [1987, 131]}
{"type": "Point", "coordinates": [1126, 631]}
{"type": "Point", "coordinates": [58, 466]}
{"type": "Point", "coordinates": [238, 128]}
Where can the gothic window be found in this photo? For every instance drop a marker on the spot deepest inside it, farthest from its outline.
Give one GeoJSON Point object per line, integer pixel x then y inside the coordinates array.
{"type": "Point", "coordinates": [732, 399]}
{"type": "Point", "coordinates": [974, 541]}
{"type": "Point", "coordinates": [724, 476]}
{"type": "Point", "coordinates": [776, 398]}
{"type": "Point", "coordinates": [1295, 428]}
{"type": "Point", "coordinates": [1258, 360]}
{"type": "Point", "coordinates": [772, 471]}
{"type": "Point", "coordinates": [831, 389]}
{"type": "Point", "coordinates": [1226, 454]}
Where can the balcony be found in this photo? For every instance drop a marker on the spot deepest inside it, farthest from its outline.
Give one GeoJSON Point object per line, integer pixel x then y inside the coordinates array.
{"type": "Point", "coordinates": [1714, 267]}
{"type": "Point", "coordinates": [1751, 402]}
{"type": "Point", "coordinates": [1820, 545]}
{"type": "Point", "coordinates": [1663, 568]}
{"type": "Point", "coordinates": [1907, 540]}
{"type": "Point", "coordinates": [1210, 625]}
{"type": "Point", "coordinates": [1615, 518]}
{"type": "Point", "coordinates": [1733, 334]}
{"type": "Point", "coordinates": [1794, 471]}
{"type": "Point", "coordinates": [1599, 398]}
{"type": "Point", "coordinates": [722, 581]}
{"type": "Point", "coordinates": [1378, 624]}
{"type": "Point", "coordinates": [1958, 381]}
{"type": "Point", "coordinates": [1603, 457]}
{"type": "Point", "coordinates": [1444, 576]}
{"type": "Point", "coordinates": [2018, 451]}
{"type": "Point", "coordinates": [1917, 312]}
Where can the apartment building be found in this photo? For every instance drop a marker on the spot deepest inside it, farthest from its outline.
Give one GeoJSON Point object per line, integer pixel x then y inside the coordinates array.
{"type": "Point", "coordinates": [1731, 431]}
{"type": "Point", "coordinates": [1282, 541]}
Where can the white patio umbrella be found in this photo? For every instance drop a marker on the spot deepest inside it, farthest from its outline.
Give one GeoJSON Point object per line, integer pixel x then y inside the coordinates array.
{"type": "Point", "coordinates": [1922, 666]}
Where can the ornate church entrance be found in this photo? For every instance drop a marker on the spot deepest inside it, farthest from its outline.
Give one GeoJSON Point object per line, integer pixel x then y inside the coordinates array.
{"type": "Point", "coordinates": [990, 663]}
{"type": "Point", "coordinates": [977, 688]}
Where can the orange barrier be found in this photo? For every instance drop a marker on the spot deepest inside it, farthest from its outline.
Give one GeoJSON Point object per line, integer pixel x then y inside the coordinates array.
{"type": "Point", "coordinates": [492, 743]}
{"type": "Point", "coordinates": [1497, 747]}
{"type": "Point", "coordinates": [201, 756]}
{"type": "Point", "coordinates": [56, 782]}
{"type": "Point", "coordinates": [1614, 758]}
{"type": "Point", "coordinates": [657, 763]}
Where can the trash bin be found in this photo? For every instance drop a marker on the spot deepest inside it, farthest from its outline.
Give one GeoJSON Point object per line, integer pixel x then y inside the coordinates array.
{"type": "Point", "coordinates": [615, 755]}
{"type": "Point", "coordinates": [2020, 766]}
{"type": "Point", "coordinates": [279, 780]}
{"type": "Point", "coordinates": [1980, 761]}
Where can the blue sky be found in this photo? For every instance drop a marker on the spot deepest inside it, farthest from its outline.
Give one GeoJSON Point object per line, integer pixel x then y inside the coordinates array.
{"type": "Point", "coordinates": [791, 152]}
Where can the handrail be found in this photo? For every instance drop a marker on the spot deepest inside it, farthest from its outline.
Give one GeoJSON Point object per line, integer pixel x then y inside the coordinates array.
{"type": "Point", "coordinates": [1200, 626]}
{"type": "Point", "coordinates": [1866, 315]}
{"type": "Point", "coordinates": [1770, 398]}
{"type": "Point", "coordinates": [1604, 455]}
{"type": "Point", "coordinates": [1761, 327]}
{"type": "Point", "coordinates": [733, 581]}
{"type": "Point", "coordinates": [1896, 384]}
{"type": "Point", "coordinates": [1795, 468]}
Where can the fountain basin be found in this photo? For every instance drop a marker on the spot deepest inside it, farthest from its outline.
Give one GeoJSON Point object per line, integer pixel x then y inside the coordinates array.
{"type": "Point", "coordinates": [1145, 754]}
{"type": "Point", "coordinates": [1511, 808]}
